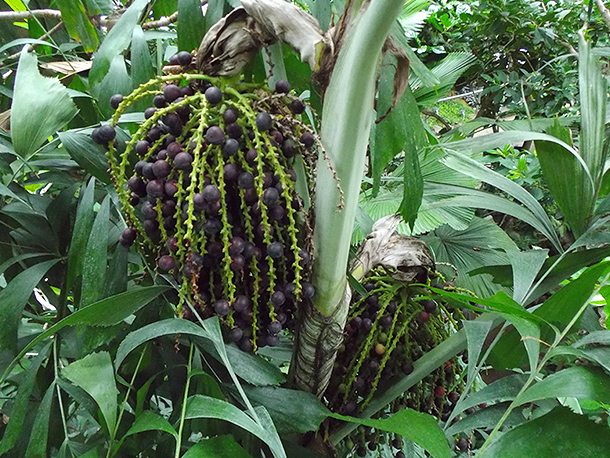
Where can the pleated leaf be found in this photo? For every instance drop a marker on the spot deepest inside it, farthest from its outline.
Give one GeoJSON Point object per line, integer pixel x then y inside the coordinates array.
{"type": "Point", "coordinates": [41, 106]}
{"type": "Point", "coordinates": [566, 179]}
{"type": "Point", "coordinates": [558, 433]}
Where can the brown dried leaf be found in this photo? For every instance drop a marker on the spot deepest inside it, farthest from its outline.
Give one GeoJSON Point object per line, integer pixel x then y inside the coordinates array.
{"type": "Point", "coordinates": [231, 43]}
{"type": "Point", "coordinates": [401, 77]}
{"type": "Point", "coordinates": [290, 24]}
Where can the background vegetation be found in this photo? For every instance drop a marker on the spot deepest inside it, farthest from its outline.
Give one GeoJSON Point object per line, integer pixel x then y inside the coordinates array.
{"type": "Point", "coordinates": [496, 156]}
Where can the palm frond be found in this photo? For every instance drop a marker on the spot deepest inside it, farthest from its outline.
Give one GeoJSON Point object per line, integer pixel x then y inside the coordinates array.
{"type": "Point", "coordinates": [447, 71]}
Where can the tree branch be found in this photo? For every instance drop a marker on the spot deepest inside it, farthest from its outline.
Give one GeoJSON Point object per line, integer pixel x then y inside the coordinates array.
{"type": "Point", "coordinates": [161, 22]}
{"type": "Point", "coordinates": [604, 12]}
{"type": "Point", "coordinates": [20, 15]}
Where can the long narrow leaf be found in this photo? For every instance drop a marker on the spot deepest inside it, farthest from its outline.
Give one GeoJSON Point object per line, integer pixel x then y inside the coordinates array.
{"type": "Point", "coordinates": [593, 100]}
{"type": "Point", "coordinates": [107, 312]}
{"type": "Point", "coordinates": [199, 406]}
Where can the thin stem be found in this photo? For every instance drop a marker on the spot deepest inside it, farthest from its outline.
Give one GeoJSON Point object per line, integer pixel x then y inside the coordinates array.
{"type": "Point", "coordinates": [536, 372]}
{"type": "Point", "coordinates": [184, 400]}
{"type": "Point", "coordinates": [59, 399]}
{"type": "Point", "coordinates": [122, 409]}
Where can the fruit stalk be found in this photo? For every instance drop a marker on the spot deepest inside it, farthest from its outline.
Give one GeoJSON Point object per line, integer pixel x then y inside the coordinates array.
{"type": "Point", "coordinates": [346, 121]}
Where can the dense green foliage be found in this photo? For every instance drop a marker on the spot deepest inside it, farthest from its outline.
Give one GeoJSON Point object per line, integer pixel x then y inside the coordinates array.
{"type": "Point", "coordinates": [182, 344]}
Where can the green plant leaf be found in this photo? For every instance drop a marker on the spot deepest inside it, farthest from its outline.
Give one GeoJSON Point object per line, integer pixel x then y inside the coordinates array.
{"type": "Point", "coordinates": [476, 333]}
{"type": "Point", "coordinates": [21, 402]}
{"type": "Point", "coordinates": [216, 447]}
{"type": "Point", "coordinates": [559, 310]}
{"type": "Point", "coordinates": [598, 337]}
{"type": "Point", "coordinates": [37, 446]}
{"type": "Point", "coordinates": [482, 243]}
{"type": "Point", "coordinates": [254, 369]}
{"type": "Point", "coordinates": [291, 410]}
{"type": "Point", "coordinates": [192, 25]}
{"type": "Point", "coordinates": [401, 130]}
{"type": "Point", "coordinates": [447, 72]}
{"type": "Point", "coordinates": [502, 390]}
{"type": "Point", "coordinates": [413, 188]}
{"type": "Point", "coordinates": [12, 300]}
{"type": "Point", "coordinates": [526, 267]}
{"type": "Point", "coordinates": [95, 374]}
{"type": "Point", "coordinates": [77, 23]}
{"type": "Point", "coordinates": [95, 256]}
{"type": "Point", "coordinates": [141, 62]}
{"type": "Point", "coordinates": [88, 154]}
{"type": "Point", "coordinates": [599, 356]}
{"type": "Point", "coordinates": [150, 421]}
{"type": "Point", "coordinates": [566, 179]}
{"type": "Point", "coordinates": [485, 418]}
{"type": "Point", "coordinates": [41, 106]}
{"type": "Point", "coordinates": [593, 100]}
{"type": "Point", "coordinates": [558, 433]}
{"type": "Point", "coordinates": [115, 81]}
{"type": "Point", "coordinates": [573, 382]}
{"type": "Point", "coordinates": [116, 41]}
{"type": "Point", "coordinates": [116, 275]}
{"type": "Point", "coordinates": [470, 167]}
{"type": "Point", "coordinates": [80, 235]}
{"type": "Point", "coordinates": [421, 428]}
{"type": "Point", "coordinates": [199, 406]}
{"type": "Point", "coordinates": [107, 312]}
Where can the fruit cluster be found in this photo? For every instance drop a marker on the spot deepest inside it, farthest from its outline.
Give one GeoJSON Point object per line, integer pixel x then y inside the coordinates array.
{"type": "Point", "coordinates": [207, 182]}
{"type": "Point", "coordinates": [389, 328]}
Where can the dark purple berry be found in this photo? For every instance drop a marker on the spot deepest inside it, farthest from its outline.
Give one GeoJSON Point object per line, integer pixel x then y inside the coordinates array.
{"type": "Point", "coordinates": [235, 335]}
{"type": "Point", "coordinates": [230, 147]}
{"type": "Point", "coordinates": [308, 290]}
{"type": "Point", "coordinates": [245, 180]}
{"type": "Point", "coordinates": [263, 121]}
{"type": "Point", "coordinates": [241, 303]}
{"type": "Point", "coordinates": [307, 139]}
{"type": "Point", "coordinates": [215, 135]}
{"type": "Point", "coordinates": [230, 115]}
{"type": "Point", "coordinates": [148, 171]}
{"type": "Point", "coordinates": [128, 236]}
{"type": "Point", "coordinates": [159, 101]}
{"type": "Point", "coordinates": [282, 87]}
{"type": "Point", "coordinates": [429, 306]}
{"type": "Point", "coordinates": [272, 340]}
{"type": "Point", "coordinates": [116, 100]}
{"type": "Point", "coordinates": [271, 196]}
{"type": "Point", "coordinates": [161, 169]}
{"type": "Point", "coordinates": [137, 186]}
{"type": "Point", "coordinates": [166, 263]}
{"type": "Point", "coordinates": [274, 327]}
{"type": "Point", "coordinates": [173, 149]}
{"type": "Point", "coordinates": [171, 92]}
{"type": "Point", "coordinates": [297, 106]}
{"type": "Point", "coordinates": [212, 226]}
{"type": "Point", "coordinates": [171, 188]}
{"type": "Point", "coordinates": [149, 112]}
{"type": "Point", "coordinates": [155, 188]}
{"type": "Point", "coordinates": [304, 257]}
{"type": "Point", "coordinates": [231, 172]}
{"type": "Point", "coordinates": [234, 130]}
{"type": "Point", "coordinates": [251, 156]}
{"type": "Point", "coordinates": [184, 58]}
{"type": "Point", "coordinates": [276, 213]}
{"type": "Point", "coordinates": [183, 161]}
{"type": "Point", "coordinates": [148, 211]}
{"type": "Point", "coordinates": [199, 202]}
{"type": "Point", "coordinates": [213, 95]}
{"type": "Point", "coordinates": [278, 298]}
{"type": "Point", "coordinates": [151, 226]}
{"type": "Point", "coordinates": [187, 91]}
{"type": "Point", "coordinates": [104, 134]}
{"type": "Point", "coordinates": [367, 324]}
{"type": "Point", "coordinates": [462, 444]}
{"type": "Point", "coordinates": [238, 263]}
{"type": "Point", "coordinates": [211, 193]}
{"type": "Point", "coordinates": [236, 246]}
{"type": "Point", "coordinates": [277, 136]}
{"type": "Point", "coordinates": [275, 250]}
{"type": "Point", "coordinates": [221, 307]}
{"type": "Point", "coordinates": [385, 321]}
{"type": "Point", "coordinates": [406, 368]}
